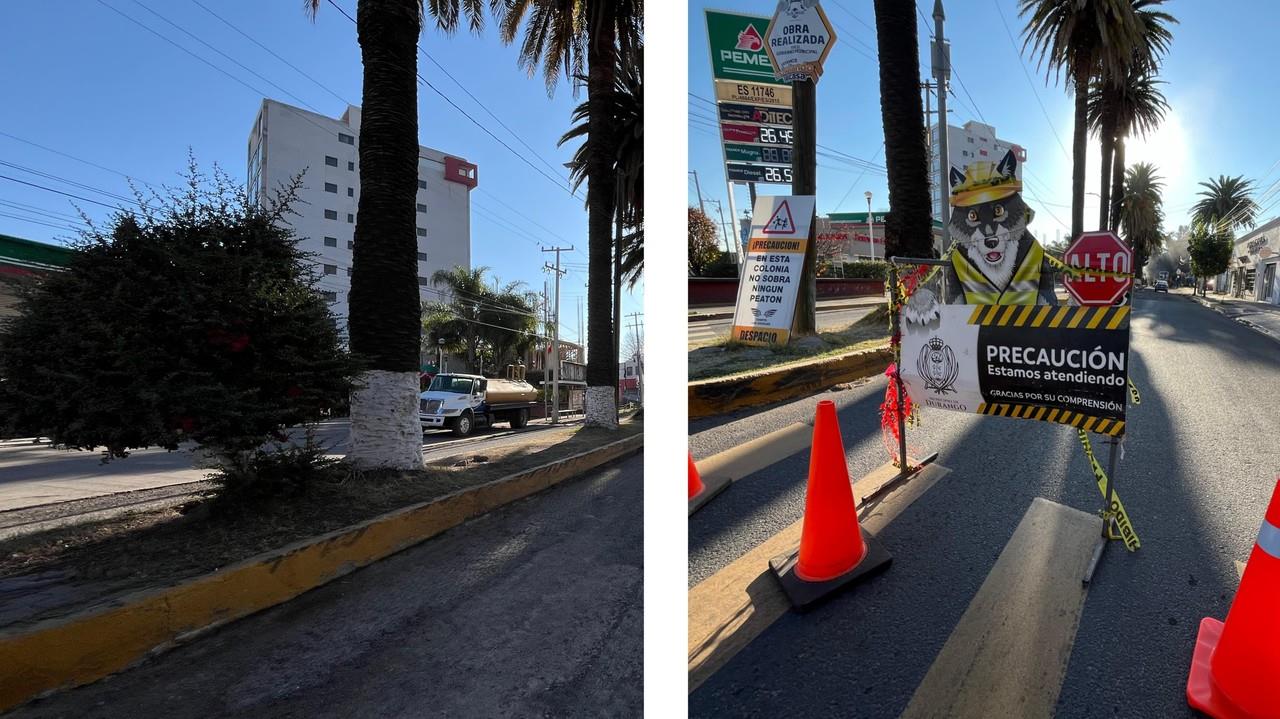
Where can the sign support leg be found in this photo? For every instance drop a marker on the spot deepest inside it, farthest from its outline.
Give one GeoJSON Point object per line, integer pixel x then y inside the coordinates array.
{"type": "Point", "coordinates": [897, 378]}
{"type": "Point", "coordinates": [1107, 517]}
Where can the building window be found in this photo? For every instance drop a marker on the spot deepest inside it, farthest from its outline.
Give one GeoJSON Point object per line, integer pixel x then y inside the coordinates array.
{"type": "Point", "coordinates": [422, 232]}
{"type": "Point", "coordinates": [970, 139]}
{"type": "Point", "coordinates": [351, 218]}
{"type": "Point", "coordinates": [351, 244]}
{"type": "Point", "coordinates": [345, 138]}
{"type": "Point", "coordinates": [330, 242]}
{"type": "Point", "coordinates": [330, 161]}
{"type": "Point", "coordinates": [329, 297]}
{"type": "Point", "coordinates": [330, 214]}
{"type": "Point", "coordinates": [330, 187]}
{"type": "Point", "coordinates": [422, 184]}
{"type": "Point", "coordinates": [424, 281]}
{"type": "Point", "coordinates": [422, 207]}
{"type": "Point", "coordinates": [351, 192]}
{"type": "Point", "coordinates": [331, 269]}
{"type": "Point", "coordinates": [422, 257]}
{"type": "Point", "coordinates": [351, 166]}
{"type": "Point", "coordinates": [348, 272]}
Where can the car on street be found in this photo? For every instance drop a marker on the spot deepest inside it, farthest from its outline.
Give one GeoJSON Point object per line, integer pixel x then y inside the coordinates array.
{"type": "Point", "coordinates": [1162, 286]}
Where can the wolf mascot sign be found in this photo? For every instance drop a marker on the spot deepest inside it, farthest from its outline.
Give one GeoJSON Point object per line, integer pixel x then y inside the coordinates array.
{"type": "Point", "coordinates": [994, 259]}
{"type": "Point", "coordinates": [1001, 344]}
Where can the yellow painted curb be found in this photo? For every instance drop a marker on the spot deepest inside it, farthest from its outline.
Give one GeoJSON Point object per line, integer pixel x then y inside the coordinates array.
{"type": "Point", "coordinates": [717, 396]}
{"type": "Point", "coordinates": [82, 648]}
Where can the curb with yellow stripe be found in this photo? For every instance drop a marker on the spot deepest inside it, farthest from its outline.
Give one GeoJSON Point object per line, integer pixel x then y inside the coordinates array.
{"type": "Point", "coordinates": [89, 645]}
{"type": "Point", "coordinates": [718, 396]}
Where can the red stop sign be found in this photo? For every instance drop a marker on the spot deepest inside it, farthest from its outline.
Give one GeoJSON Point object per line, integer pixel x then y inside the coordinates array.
{"type": "Point", "coordinates": [1098, 251]}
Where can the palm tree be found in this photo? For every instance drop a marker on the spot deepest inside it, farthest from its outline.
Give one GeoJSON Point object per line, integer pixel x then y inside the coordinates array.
{"type": "Point", "coordinates": [510, 324]}
{"type": "Point", "coordinates": [559, 35]}
{"type": "Point", "coordinates": [1122, 104]}
{"type": "Point", "coordinates": [1227, 204]}
{"type": "Point", "coordinates": [1142, 212]}
{"type": "Point", "coordinates": [908, 228]}
{"type": "Point", "coordinates": [468, 297]}
{"type": "Point", "coordinates": [384, 319]}
{"type": "Point", "coordinates": [1085, 39]}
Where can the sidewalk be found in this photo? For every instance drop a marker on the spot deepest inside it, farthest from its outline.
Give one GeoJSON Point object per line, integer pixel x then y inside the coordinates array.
{"type": "Point", "coordinates": [724, 312]}
{"type": "Point", "coordinates": [1263, 317]}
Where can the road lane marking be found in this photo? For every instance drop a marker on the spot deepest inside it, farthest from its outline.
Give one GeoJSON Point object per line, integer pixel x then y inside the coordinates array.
{"type": "Point", "coordinates": [1008, 654]}
{"type": "Point", "coordinates": [750, 457]}
{"type": "Point", "coordinates": [736, 604]}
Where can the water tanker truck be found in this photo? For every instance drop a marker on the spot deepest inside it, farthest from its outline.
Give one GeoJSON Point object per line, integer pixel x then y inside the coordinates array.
{"type": "Point", "coordinates": [463, 402]}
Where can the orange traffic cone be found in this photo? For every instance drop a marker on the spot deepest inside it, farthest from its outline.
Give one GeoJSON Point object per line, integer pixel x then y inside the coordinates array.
{"type": "Point", "coordinates": [834, 550]}
{"type": "Point", "coordinates": [1236, 664]}
{"type": "Point", "coordinates": [701, 492]}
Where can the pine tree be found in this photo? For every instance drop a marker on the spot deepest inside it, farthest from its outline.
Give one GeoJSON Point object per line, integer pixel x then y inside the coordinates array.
{"type": "Point", "coordinates": [195, 320]}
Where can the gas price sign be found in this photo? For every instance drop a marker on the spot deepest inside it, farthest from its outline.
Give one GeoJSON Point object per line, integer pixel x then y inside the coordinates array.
{"type": "Point", "coordinates": [742, 172]}
{"type": "Point", "coordinates": [734, 152]}
{"type": "Point", "coordinates": [750, 133]}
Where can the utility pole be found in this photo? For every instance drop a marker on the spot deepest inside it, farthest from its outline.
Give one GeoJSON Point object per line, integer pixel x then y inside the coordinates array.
{"type": "Point", "coordinates": [942, 74]}
{"type": "Point", "coordinates": [804, 181]}
{"type": "Point", "coordinates": [635, 317]}
{"type": "Point", "coordinates": [698, 187]}
{"type": "Point", "coordinates": [723, 227]}
{"type": "Point", "coordinates": [555, 342]}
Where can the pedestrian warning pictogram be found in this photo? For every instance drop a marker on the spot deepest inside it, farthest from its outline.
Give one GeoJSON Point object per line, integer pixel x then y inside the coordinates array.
{"type": "Point", "coordinates": [781, 222]}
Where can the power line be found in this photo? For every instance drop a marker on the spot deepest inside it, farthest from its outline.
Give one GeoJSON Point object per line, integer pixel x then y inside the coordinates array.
{"type": "Point", "coordinates": [73, 183]}
{"type": "Point", "coordinates": [273, 53]}
{"type": "Point", "coordinates": [1030, 84]}
{"type": "Point", "coordinates": [60, 192]}
{"type": "Point", "coordinates": [77, 159]}
{"type": "Point", "coordinates": [38, 222]}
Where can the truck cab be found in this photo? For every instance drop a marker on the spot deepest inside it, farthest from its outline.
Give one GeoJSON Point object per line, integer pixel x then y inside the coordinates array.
{"type": "Point", "coordinates": [463, 402]}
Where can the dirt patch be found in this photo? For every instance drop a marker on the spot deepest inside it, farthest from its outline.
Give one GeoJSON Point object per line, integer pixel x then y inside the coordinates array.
{"type": "Point", "coordinates": [158, 548]}
{"type": "Point", "coordinates": [727, 358]}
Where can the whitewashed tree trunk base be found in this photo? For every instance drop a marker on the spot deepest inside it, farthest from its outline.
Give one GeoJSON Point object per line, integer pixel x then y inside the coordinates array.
{"type": "Point", "coordinates": [385, 430]}
{"type": "Point", "coordinates": [601, 408]}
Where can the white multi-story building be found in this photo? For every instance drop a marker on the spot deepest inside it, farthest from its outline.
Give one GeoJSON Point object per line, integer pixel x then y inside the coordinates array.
{"type": "Point", "coordinates": [975, 141]}
{"type": "Point", "coordinates": [287, 140]}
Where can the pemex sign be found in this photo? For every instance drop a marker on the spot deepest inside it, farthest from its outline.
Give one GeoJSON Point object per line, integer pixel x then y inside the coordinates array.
{"type": "Point", "coordinates": [737, 47]}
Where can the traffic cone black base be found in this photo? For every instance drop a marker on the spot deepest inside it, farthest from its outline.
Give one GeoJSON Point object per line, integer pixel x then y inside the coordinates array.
{"type": "Point", "coordinates": [711, 486]}
{"type": "Point", "coordinates": [804, 594]}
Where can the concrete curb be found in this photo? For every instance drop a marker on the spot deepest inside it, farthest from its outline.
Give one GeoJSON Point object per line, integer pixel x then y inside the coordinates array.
{"type": "Point", "coordinates": [89, 645]}
{"type": "Point", "coordinates": [1217, 307]}
{"type": "Point", "coordinates": [718, 396]}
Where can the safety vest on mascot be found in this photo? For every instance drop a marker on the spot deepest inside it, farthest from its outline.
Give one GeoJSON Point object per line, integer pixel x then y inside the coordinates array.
{"type": "Point", "coordinates": [1023, 287]}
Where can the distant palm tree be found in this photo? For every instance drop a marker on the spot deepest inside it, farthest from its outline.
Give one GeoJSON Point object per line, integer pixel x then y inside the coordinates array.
{"type": "Point", "coordinates": [1227, 204]}
{"type": "Point", "coordinates": [1121, 104]}
{"type": "Point", "coordinates": [1084, 39]}
{"type": "Point", "coordinates": [1142, 212]}
{"type": "Point", "coordinates": [909, 226]}
{"type": "Point", "coordinates": [559, 35]}
{"type": "Point", "coordinates": [468, 296]}
{"type": "Point", "coordinates": [384, 318]}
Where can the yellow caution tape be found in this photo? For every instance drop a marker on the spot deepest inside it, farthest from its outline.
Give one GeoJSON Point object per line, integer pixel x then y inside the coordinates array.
{"type": "Point", "coordinates": [1083, 270]}
{"type": "Point", "coordinates": [1116, 510]}
{"type": "Point", "coordinates": [1133, 393]}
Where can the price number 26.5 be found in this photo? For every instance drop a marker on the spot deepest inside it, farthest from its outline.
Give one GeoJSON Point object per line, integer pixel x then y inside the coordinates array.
{"type": "Point", "coordinates": [777, 174]}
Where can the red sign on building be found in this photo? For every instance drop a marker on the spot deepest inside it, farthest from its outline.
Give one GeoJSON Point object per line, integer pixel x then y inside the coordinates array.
{"type": "Point", "coordinates": [1098, 251]}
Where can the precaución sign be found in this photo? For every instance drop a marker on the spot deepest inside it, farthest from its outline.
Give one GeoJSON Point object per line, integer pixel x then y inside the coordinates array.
{"type": "Point", "coordinates": [1066, 364]}
{"type": "Point", "coordinates": [771, 274]}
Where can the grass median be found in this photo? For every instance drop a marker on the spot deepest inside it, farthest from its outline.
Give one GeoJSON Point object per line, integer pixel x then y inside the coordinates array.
{"type": "Point", "coordinates": [726, 358]}
{"type": "Point", "coordinates": [74, 566]}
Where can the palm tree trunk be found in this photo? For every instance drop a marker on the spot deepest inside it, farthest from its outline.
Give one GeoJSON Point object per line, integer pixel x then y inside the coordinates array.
{"type": "Point", "coordinates": [908, 228]}
{"type": "Point", "coordinates": [1079, 146]}
{"type": "Point", "coordinates": [1108, 133]}
{"type": "Point", "coordinates": [1117, 184]}
{"type": "Point", "coordinates": [385, 323]}
{"type": "Point", "coordinates": [601, 405]}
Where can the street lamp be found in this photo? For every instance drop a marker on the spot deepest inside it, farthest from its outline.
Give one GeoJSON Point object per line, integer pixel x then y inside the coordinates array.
{"type": "Point", "coordinates": [871, 233]}
{"type": "Point", "coordinates": [440, 355]}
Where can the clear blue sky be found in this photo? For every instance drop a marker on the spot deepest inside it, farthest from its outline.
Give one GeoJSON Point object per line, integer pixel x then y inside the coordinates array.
{"type": "Point", "coordinates": [1217, 85]}
{"type": "Point", "coordinates": [85, 81]}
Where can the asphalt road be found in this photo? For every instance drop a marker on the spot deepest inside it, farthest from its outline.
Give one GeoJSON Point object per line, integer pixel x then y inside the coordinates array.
{"type": "Point", "coordinates": [39, 474]}
{"type": "Point", "coordinates": [1199, 465]}
{"type": "Point", "coordinates": [708, 330]}
{"type": "Point", "coordinates": [532, 610]}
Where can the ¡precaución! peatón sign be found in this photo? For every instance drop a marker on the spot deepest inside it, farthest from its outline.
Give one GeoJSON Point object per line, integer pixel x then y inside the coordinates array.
{"type": "Point", "coordinates": [771, 274]}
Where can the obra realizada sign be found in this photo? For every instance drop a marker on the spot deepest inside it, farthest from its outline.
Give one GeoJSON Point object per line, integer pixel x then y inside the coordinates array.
{"type": "Point", "coordinates": [799, 39]}
{"type": "Point", "coordinates": [1064, 364]}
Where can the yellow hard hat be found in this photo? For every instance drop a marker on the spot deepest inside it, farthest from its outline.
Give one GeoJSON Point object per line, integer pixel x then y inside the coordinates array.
{"type": "Point", "coordinates": [983, 183]}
